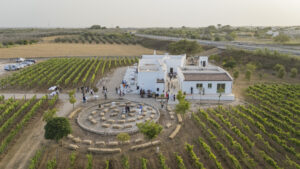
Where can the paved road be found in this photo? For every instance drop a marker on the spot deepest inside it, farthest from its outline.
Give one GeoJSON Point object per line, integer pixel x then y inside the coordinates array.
{"type": "Point", "coordinates": [295, 50]}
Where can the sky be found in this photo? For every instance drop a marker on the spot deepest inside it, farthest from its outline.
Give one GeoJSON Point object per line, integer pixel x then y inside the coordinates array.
{"type": "Point", "coordinates": [148, 13]}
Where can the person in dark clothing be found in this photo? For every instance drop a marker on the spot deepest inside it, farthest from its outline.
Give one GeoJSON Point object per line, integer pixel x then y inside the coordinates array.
{"type": "Point", "coordinates": [174, 97]}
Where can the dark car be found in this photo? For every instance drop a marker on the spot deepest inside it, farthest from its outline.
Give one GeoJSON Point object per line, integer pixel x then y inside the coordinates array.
{"type": "Point", "coordinates": [30, 60]}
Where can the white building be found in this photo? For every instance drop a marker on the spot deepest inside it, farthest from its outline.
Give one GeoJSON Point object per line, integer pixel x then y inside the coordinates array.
{"type": "Point", "coordinates": [153, 71]}
{"type": "Point", "coordinates": [204, 81]}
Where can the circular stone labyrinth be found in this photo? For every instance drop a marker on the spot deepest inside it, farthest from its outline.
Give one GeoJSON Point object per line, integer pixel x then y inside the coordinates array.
{"type": "Point", "coordinates": [112, 119]}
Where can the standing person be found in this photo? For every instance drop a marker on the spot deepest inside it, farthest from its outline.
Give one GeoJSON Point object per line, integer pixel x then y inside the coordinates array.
{"type": "Point", "coordinates": [103, 89]}
{"type": "Point", "coordinates": [174, 97]}
{"type": "Point", "coordinates": [83, 98]}
{"type": "Point", "coordinates": [105, 94]}
{"type": "Point", "coordinates": [141, 108]}
{"type": "Point", "coordinates": [92, 92]}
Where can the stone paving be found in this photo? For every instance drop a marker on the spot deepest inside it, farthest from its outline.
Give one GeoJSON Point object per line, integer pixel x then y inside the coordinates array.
{"type": "Point", "coordinates": [110, 118]}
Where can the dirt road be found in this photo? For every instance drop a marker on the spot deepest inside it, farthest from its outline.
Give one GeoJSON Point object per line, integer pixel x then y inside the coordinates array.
{"type": "Point", "coordinates": [32, 138]}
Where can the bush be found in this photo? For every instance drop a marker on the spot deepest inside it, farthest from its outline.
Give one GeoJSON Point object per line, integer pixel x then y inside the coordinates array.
{"type": "Point", "coordinates": [281, 38]}
{"type": "Point", "coordinates": [236, 74]}
{"type": "Point", "coordinates": [294, 72]}
{"type": "Point", "coordinates": [122, 137]}
{"type": "Point", "coordinates": [57, 128]}
{"type": "Point", "coordinates": [185, 46]}
{"type": "Point", "coordinates": [150, 129]}
{"type": "Point", "coordinates": [248, 75]}
{"type": "Point", "coordinates": [281, 72]}
{"type": "Point", "coordinates": [230, 64]}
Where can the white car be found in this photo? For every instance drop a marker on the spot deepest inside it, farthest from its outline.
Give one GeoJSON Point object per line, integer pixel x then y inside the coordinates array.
{"type": "Point", "coordinates": [11, 67]}
{"type": "Point", "coordinates": [53, 94]}
{"type": "Point", "coordinates": [20, 60]}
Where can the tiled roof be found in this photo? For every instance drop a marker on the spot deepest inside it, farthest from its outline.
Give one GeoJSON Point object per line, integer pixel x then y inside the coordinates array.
{"type": "Point", "coordinates": [206, 77]}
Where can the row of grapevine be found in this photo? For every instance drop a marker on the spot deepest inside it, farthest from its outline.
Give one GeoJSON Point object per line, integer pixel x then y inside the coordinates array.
{"type": "Point", "coordinates": [65, 72]}
{"type": "Point", "coordinates": [21, 124]}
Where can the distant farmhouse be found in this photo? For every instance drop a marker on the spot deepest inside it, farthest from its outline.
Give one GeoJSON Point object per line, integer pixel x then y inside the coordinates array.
{"type": "Point", "coordinates": [170, 73]}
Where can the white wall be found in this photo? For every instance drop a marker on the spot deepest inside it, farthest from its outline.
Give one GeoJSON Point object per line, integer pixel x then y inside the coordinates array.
{"type": "Point", "coordinates": [161, 87]}
{"type": "Point", "coordinates": [147, 81]}
{"type": "Point", "coordinates": [186, 86]}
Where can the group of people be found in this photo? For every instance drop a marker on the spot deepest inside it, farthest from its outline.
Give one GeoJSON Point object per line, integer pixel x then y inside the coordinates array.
{"type": "Point", "coordinates": [173, 96]}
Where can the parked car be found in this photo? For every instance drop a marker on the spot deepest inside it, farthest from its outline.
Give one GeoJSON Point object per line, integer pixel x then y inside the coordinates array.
{"type": "Point", "coordinates": [21, 65]}
{"type": "Point", "coordinates": [28, 63]}
{"type": "Point", "coordinates": [30, 60]}
{"type": "Point", "coordinates": [20, 60]}
{"type": "Point", "coordinates": [11, 67]}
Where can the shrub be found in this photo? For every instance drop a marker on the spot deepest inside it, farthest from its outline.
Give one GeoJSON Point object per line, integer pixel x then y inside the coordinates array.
{"type": "Point", "coordinates": [236, 74]}
{"type": "Point", "coordinates": [122, 137]}
{"type": "Point", "coordinates": [57, 128]}
{"type": "Point", "coordinates": [281, 72]}
{"type": "Point", "coordinates": [294, 72]}
{"type": "Point", "coordinates": [248, 75]}
{"type": "Point", "coordinates": [150, 129]}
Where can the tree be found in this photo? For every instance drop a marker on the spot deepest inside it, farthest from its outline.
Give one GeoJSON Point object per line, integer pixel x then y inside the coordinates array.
{"type": "Point", "coordinates": [95, 27]}
{"type": "Point", "coordinates": [230, 36]}
{"type": "Point", "coordinates": [150, 129]}
{"type": "Point", "coordinates": [217, 37]}
{"type": "Point", "coordinates": [220, 91]}
{"type": "Point", "coordinates": [57, 128]}
{"type": "Point", "coordinates": [294, 72]}
{"type": "Point", "coordinates": [180, 96]}
{"type": "Point", "coordinates": [184, 46]}
{"type": "Point", "coordinates": [281, 72]}
{"type": "Point", "coordinates": [122, 137]}
{"type": "Point", "coordinates": [230, 63]}
{"type": "Point", "coordinates": [72, 98]}
{"type": "Point", "coordinates": [183, 106]}
{"type": "Point", "coordinates": [281, 38]}
{"type": "Point", "coordinates": [277, 67]}
{"type": "Point", "coordinates": [49, 114]}
{"type": "Point", "coordinates": [236, 74]}
{"type": "Point", "coordinates": [248, 75]}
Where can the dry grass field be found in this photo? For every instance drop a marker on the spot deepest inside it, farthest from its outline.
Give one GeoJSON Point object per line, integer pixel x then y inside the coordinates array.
{"type": "Point", "coordinates": [59, 49]}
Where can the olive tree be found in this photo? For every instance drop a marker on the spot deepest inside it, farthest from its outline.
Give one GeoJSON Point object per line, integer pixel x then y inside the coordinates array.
{"type": "Point", "coordinates": [57, 128]}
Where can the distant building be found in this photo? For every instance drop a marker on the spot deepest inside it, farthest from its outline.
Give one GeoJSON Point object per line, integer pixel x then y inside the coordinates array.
{"type": "Point", "coordinates": [273, 33]}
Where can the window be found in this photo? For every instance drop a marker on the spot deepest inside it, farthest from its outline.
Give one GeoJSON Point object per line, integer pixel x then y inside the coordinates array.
{"type": "Point", "coordinates": [221, 87]}
{"type": "Point", "coordinates": [209, 85]}
{"type": "Point", "coordinates": [199, 85]}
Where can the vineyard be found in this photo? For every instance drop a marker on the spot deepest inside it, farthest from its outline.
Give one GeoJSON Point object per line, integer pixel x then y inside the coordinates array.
{"type": "Point", "coordinates": [65, 72]}
{"type": "Point", "coordinates": [262, 134]}
{"type": "Point", "coordinates": [97, 38]}
{"type": "Point", "coordinates": [14, 114]}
